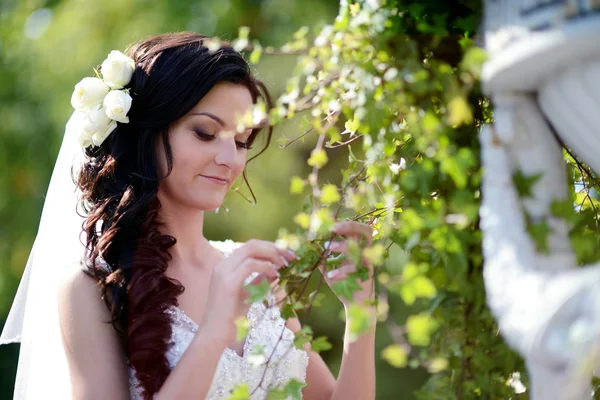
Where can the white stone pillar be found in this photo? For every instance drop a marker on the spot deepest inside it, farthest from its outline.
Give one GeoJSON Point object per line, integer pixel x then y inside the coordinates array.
{"type": "Point", "coordinates": [543, 76]}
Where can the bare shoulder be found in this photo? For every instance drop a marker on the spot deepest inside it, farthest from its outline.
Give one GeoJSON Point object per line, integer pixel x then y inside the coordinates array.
{"type": "Point", "coordinates": [74, 281]}
{"type": "Point", "coordinates": [79, 296]}
{"type": "Point", "coordinates": [97, 362]}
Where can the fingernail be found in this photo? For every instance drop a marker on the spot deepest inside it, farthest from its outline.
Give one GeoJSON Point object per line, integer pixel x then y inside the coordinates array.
{"type": "Point", "coordinates": [292, 254]}
{"type": "Point", "coordinates": [332, 274]}
{"type": "Point", "coordinates": [326, 245]}
{"type": "Point", "coordinates": [285, 262]}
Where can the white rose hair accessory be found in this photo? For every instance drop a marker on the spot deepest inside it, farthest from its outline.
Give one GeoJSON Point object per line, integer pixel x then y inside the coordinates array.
{"type": "Point", "coordinates": [102, 101]}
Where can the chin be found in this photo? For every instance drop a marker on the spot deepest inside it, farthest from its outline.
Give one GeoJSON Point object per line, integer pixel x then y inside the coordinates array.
{"type": "Point", "coordinates": [209, 205]}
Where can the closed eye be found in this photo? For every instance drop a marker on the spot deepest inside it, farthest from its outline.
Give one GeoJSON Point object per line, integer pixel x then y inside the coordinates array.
{"type": "Point", "coordinates": [204, 136]}
{"type": "Point", "coordinates": [243, 145]}
{"type": "Point", "coordinates": [207, 138]}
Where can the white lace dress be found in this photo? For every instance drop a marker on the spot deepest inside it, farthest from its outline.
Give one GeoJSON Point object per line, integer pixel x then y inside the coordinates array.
{"type": "Point", "coordinates": [266, 327]}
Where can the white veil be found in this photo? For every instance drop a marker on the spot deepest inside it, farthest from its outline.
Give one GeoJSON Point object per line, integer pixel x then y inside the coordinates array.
{"type": "Point", "coordinates": [33, 319]}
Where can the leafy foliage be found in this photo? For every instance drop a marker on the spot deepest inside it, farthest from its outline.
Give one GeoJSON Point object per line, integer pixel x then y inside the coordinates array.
{"type": "Point", "coordinates": [395, 85]}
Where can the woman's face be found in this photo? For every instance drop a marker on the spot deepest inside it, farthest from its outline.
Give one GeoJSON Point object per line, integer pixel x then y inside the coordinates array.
{"type": "Point", "coordinates": [208, 153]}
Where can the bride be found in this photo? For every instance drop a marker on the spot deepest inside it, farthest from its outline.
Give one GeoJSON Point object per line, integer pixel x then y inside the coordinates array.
{"type": "Point", "coordinates": [148, 309]}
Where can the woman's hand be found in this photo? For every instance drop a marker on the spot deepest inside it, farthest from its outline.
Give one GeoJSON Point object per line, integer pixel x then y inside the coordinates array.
{"type": "Point", "coordinates": [226, 293]}
{"type": "Point", "coordinates": [352, 232]}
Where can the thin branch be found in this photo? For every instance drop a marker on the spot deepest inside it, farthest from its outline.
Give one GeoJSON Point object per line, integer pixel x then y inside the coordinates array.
{"type": "Point", "coordinates": [306, 132]}
{"type": "Point", "coordinates": [344, 143]}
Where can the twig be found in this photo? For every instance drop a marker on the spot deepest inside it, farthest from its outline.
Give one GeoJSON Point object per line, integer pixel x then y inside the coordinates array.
{"type": "Point", "coordinates": [344, 143]}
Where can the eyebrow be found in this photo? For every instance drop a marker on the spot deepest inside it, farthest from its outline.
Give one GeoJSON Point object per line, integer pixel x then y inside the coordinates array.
{"type": "Point", "coordinates": [213, 116]}
{"type": "Point", "coordinates": [222, 123]}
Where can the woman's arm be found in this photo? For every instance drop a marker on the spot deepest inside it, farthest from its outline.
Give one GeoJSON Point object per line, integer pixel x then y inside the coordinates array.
{"type": "Point", "coordinates": [192, 376]}
{"type": "Point", "coordinates": [97, 365]}
{"type": "Point", "coordinates": [356, 379]}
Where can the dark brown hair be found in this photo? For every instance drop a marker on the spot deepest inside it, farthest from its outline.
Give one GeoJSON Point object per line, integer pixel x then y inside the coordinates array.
{"type": "Point", "coordinates": [126, 252]}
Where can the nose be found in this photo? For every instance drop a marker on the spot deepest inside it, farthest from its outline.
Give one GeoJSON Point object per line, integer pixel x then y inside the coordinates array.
{"type": "Point", "coordinates": [227, 153]}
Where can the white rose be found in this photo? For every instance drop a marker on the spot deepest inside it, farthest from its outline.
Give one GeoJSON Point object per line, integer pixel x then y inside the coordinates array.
{"type": "Point", "coordinates": [117, 104]}
{"type": "Point", "coordinates": [84, 139]}
{"type": "Point", "coordinates": [117, 69]}
{"type": "Point", "coordinates": [88, 93]}
{"type": "Point", "coordinates": [75, 129]}
{"type": "Point", "coordinates": [97, 126]}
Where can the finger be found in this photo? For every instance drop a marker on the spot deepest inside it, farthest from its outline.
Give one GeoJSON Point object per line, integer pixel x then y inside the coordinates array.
{"type": "Point", "coordinates": [354, 229]}
{"type": "Point", "coordinates": [267, 251]}
{"type": "Point", "coordinates": [253, 265]}
{"type": "Point", "coordinates": [340, 273]}
{"type": "Point", "coordinates": [343, 248]}
{"type": "Point", "coordinates": [338, 247]}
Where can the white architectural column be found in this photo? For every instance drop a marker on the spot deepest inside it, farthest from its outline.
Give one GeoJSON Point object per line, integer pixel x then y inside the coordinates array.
{"type": "Point", "coordinates": [543, 69]}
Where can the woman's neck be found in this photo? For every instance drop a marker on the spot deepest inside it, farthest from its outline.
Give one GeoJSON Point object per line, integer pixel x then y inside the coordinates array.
{"type": "Point", "coordinates": [186, 226]}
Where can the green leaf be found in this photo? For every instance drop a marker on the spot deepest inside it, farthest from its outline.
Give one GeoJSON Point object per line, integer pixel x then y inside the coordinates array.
{"type": "Point", "coordinates": [302, 219]}
{"type": "Point", "coordinates": [407, 293]}
{"type": "Point", "coordinates": [539, 233]}
{"type": "Point", "coordinates": [330, 194]}
{"type": "Point", "coordinates": [452, 167]}
{"type": "Point", "coordinates": [374, 254]}
{"type": "Point", "coordinates": [420, 327]}
{"type": "Point", "coordinates": [564, 209]}
{"type": "Point", "coordinates": [459, 112]}
{"type": "Point", "coordinates": [297, 185]}
{"type": "Point", "coordinates": [524, 184]}
{"type": "Point", "coordinates": [243, 327]}
{"type": "Point", "coordinates": [437, 365]}
{"type": "Point", "coordinates": [244, 31]}
{"type": "Point", "coordinates": [258, 292]}
{"type": "Point", "coordinates": [359, 320]}
{"type": "Point", "coordinates": [346, 287]}
{"type": "Point", "coordinates": [395, 355]}
{"type": "Point", "coordinates": [276, 394]}
{"type": "Point", "coordinates": [293, 389]}
{"type": "Point", "coordinates": [473, 60]}
{"type": "Point", "coordinates": [287, 311]}
{"type": "Point", "coordinates": [320, 344]}
{"type": "Point", "coordinates": [255, 55]}
{"type": "Point", "coordinates": [423, 287]}
{"type": "Point", "coordinates": [316, 298]}
{"type": "Point", "coordinates": [354, 9]}
{"type": "Point", "coordinates": [301, 338]}
{"type": "Point", "coordinates": [301, 33]}
{"type": "Point", "coordinates": [318, 158]}
{"type": "Point", "coordinates": [352, 125]}
{"type": "Point", "coordinates": [240, 392]}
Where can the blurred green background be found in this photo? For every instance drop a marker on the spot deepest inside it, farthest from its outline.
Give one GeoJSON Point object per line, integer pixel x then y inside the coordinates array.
{"type": "Point", "coordinates": [47, 46]}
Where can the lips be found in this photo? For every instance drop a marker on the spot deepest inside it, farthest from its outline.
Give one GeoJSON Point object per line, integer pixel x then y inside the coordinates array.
{"type": "Point", "coordinates": [216, 179]}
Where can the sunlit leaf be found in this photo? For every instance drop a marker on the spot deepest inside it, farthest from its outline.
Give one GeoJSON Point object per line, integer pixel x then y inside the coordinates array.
{"type": "Point", "coordinates": [359, 319]}
{"type": "Point", "coordinates": [243, 327]}
{"type": "Point", "coordinates": [330, 194]}
{"type": "Point", "coordinates": [302, 219]}
{"type": "Point", "coordinates": [297, 185]}
{"type": "Point", "coordinates": [395, 355]}
{"type": "Point", "coordinates": [420, 327]}
{"type": "Point", "coordinates": [459, 112]}
{"type": "Point", "coordinates": [240, 392]}
{"type": "Point", "coordinates": [318, 158]}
